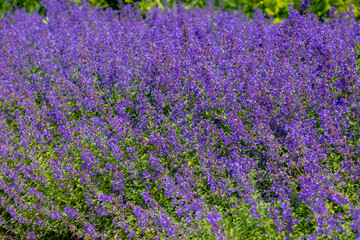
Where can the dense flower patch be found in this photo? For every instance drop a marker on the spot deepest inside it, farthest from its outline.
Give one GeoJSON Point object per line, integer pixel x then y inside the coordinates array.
{"type": "Point", "coordinates": [186, 124]}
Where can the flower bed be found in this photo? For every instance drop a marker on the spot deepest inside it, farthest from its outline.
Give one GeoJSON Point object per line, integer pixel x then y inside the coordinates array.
{"type": "Point", "coordinates": [181, 124]}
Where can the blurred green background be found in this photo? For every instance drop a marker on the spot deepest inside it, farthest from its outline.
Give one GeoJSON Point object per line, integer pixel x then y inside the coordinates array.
{"type": "Point", "coordinates": [276, 8]}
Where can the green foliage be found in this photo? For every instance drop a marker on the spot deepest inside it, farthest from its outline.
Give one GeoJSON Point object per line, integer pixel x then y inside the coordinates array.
{"type": "Point", "coordinates": [29, 5]}
{"type": "Point", "coordinates": [321, 7]}
{"type": "Point", "coordinates": [278, 9]}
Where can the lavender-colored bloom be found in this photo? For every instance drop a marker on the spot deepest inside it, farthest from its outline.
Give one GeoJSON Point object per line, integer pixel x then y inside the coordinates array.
{"type": "Point", "coordinates": [72, 213]}
{"type": "Point", "coordinates": [32, 236]}
{"type": "Point", "coordinates": [149, 122]}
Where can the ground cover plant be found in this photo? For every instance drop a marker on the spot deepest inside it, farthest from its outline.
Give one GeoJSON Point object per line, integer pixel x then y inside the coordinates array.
{"type": "Point", "coordinates": [181, 124]}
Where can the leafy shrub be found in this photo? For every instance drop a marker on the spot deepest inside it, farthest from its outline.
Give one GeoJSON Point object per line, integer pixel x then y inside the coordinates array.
{"type": "Point", "coordinates": [278, 9]}
{"type": "Point", "coordinates": [195, 124]}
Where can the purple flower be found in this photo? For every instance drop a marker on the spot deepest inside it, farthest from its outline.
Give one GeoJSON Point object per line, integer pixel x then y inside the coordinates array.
{"type": "Point", "coordinates": [72, 213]}
{"type": "Point", "coordinates": [32, 236]}
{"type": "Point", "coordinates": [160, 117]}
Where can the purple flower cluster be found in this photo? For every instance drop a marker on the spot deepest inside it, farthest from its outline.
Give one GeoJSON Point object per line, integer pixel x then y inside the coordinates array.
{"type": "Point", "coordinates": [118, 124]}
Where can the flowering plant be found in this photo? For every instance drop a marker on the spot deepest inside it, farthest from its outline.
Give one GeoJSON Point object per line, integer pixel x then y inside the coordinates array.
{"type": "Point", "coordinates": [181, 124]}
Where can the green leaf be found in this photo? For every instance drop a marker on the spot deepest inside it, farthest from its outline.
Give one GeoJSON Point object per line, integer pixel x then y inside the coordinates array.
{"type": "Point", "coordinates": [357, 63]}
{"type": "Point", "coordinates": [357, 46]}
{"type": "Point", "coordinates": [46, 20]}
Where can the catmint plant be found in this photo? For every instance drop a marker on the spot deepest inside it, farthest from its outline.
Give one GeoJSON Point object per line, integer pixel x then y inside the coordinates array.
{"type": "Point", "coordinates": [178, 124]}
